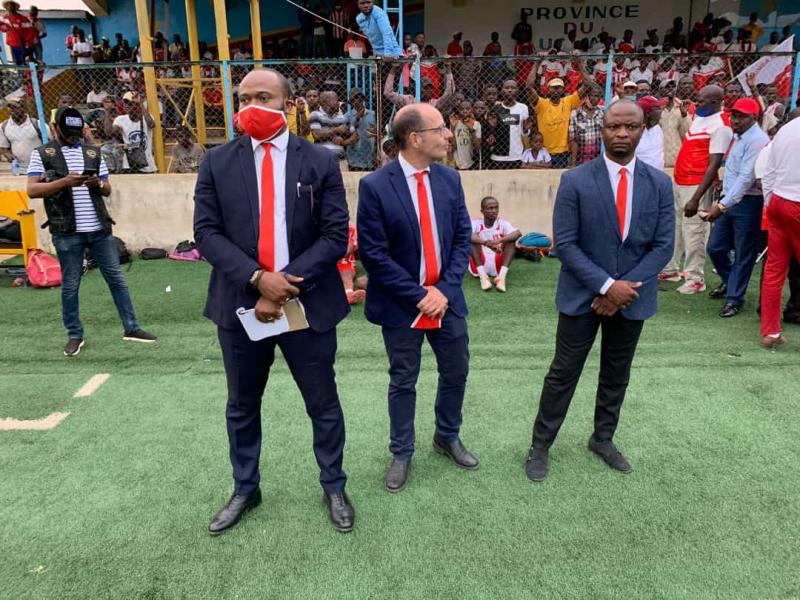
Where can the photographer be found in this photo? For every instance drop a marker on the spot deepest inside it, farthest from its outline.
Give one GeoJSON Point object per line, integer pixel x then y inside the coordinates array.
{"type": "Point", "coordinates": [73, 180]}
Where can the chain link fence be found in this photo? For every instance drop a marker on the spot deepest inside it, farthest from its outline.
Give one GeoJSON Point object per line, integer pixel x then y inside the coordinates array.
{"type": "Point", "coordinates": [502, 111]}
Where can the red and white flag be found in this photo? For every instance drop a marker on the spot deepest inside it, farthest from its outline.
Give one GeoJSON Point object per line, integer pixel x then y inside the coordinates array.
{"type": "Point", "coordinates": [770, 67]}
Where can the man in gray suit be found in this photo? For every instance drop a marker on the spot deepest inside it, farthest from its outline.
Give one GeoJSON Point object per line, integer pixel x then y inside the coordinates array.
{"type": "Point", "coordinates": [614, 229]}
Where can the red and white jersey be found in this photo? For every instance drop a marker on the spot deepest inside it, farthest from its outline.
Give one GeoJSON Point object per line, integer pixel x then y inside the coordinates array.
{"type": "Point", "coordinates": [619, 75]}
{"type": "Point", "coordinates": [706, 136]}
{"type": "Point", "coordinates": [500, 229]}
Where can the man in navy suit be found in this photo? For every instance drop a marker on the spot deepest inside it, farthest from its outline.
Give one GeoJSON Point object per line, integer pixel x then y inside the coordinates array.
{"type": "Point", "coordinates": [271, 218]}
{"type": "Point", "coordinates": [414, 238]}
{"type": "Point", "coordinates": [613, 225]}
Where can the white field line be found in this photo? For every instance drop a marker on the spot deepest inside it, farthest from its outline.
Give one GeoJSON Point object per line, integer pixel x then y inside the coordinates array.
{"type": "Point", "coordinates": [48, 422]}
{"type": "Point", "coordinates": [91, 386]}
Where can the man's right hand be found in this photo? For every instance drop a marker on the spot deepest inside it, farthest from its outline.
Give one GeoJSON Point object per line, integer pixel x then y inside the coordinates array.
{"type": "Point", "coordinates": [684, 106]}
{"type": "Point", "coordinates": [267, 310]}
{"type": "Point", "coordinates": [74, 179]}
{"type": "Point", "coordinates": [690, 208]}
{"type": "Point", "coordinates": [434, 304]}
{"type": "Point", "coordinates": [623, 293]}
{"type": "Point", "coordinates": [277, 287]}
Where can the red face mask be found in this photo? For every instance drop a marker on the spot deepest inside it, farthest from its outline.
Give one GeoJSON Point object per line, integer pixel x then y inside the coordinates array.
{"type": "Point", "coordinates": [261, 123]}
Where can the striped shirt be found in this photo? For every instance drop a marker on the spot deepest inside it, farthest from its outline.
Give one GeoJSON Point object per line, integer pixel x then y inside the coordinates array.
{"type": "Point", "coordinates": [85, 215]}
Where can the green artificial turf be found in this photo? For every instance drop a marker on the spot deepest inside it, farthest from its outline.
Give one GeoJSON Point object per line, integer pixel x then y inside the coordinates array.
{"type": "Point", "coordinates": [115, 501]}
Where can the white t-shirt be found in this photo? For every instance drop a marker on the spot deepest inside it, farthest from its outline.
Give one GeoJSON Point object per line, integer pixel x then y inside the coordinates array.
{"type": "Point", "coordinates": [514, 117]}
{"type": "Point", "coordinates": [131, 135]}
{"type": "Point", "coordinates": [500, 229]}
{"type": "Point", "coordinates": [21, 140]}
{"type": "Point", "coordinates": [651, 147]}
{"type": "Point", "coordinates": [542, 157]}
{"type": "Point", "coordinates": [80, 47]}
{"type": "Point", "coordinates": [639, 74]}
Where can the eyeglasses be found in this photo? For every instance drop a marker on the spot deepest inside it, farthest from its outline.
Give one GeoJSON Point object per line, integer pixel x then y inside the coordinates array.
{"type": "Point", "coordinates": [632, 127]}
{"type": "Point", "coordinates": [440, 129]}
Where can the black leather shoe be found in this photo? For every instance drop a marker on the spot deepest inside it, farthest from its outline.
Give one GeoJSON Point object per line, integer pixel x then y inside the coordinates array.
{"type": "Point", "coordinates": [719, 292]}
{"type": "Point", "coordinates": [609, 453]}
{"type": "Point", "coordinates": [538, 464]}
{"type": "Point", "coordinates": [233, 511]}
{"type": "Point", "coordinates": [730, 310]}
{"type": "Point", "coordinates": [397, 475]}
{"type": "Point", "coordinates": [456, 451]}
{"type": "Point", "coordinates": [340, 511]}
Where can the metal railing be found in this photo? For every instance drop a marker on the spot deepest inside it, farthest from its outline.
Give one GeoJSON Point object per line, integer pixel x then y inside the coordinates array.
{"type": "Point", "coordinates": [197, 101]}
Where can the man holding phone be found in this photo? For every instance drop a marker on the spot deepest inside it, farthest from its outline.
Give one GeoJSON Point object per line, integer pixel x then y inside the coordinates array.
{"type": "Point", "coordinates": [73, 180]}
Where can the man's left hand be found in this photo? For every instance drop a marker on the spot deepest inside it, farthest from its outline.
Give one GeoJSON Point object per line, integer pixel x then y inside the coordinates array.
{"type": "Point", "coordinates": [712, 214]}
{"type": "Point", "coordinates": [434, 304]}
{"type": "Point", "coordinates": [94, 182]}
{"type": "Point", "coordinates": [604, 307]}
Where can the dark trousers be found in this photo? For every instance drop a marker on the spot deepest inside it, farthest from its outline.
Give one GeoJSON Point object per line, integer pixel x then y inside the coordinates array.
{"type": "Point", "coordinates": [70, 249]}
{"type": "Point", "coordinates": [740, 228]}
{"type": "Point", "coordinates": [310, 357]}
{"type": "Point", "coordinates": [574, 340]}
{"type": "Point", "coordinates": [450, 344]}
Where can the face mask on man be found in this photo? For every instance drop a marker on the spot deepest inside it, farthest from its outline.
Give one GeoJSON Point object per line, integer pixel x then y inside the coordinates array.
{"type": "Point", "coordinates": [261, 123]}
{"type": "Point", "coordinates": [704, 111]}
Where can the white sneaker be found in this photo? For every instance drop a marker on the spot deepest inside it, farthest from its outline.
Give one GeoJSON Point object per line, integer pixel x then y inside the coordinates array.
{"type": "Point", "coordinates": [486, 283]}
{"type": "Point", "coordinates": [500, 284]}
{"type": "Point", "coordinates": [692, 287]}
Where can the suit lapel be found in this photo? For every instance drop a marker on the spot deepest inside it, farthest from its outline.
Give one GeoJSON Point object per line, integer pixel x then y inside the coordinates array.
{"type": "Point", "coordinates": [247, 164]}
{"type": "Point", "coordinates": [401, 188]}
{"type": "Point", "coordinates": [439, 192]}
{"type": "Point", "coordinates": [640, 180]}
{"type": "Point", "coordinates": [607, 199]}
{"type": "Point", "coordinates": [294, 158]}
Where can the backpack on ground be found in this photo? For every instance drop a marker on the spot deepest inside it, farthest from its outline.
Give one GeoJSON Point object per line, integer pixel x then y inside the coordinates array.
{"type": "Point", "coordinates": [152, 253]}
{"type": "Point", "coordinates": [534, 246]}
{"type": "Point", "coordinates": [186, 250]}
{"type": "Point", "coordinates": [122, 250]}
{"type": "Point", "coordinates": [43, 270]}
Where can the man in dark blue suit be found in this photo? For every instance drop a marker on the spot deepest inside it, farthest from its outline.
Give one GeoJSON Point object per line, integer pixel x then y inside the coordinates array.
{"type": "Point", "coordinates": [613, 225]}
{"type": "Point", "coordinates": [271, 218]}
{"type": "Point", "coordinates": [414, 238]}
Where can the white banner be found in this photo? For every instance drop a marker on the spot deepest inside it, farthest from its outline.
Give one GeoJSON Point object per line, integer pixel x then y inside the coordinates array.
{"type": "Point", "coordinates": [767, 68]}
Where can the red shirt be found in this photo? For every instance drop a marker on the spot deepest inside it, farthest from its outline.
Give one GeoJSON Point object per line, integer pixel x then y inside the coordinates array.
{"type": "Point", "coordinates": [19, 30]}
{"type": "Point", "coordinates": [454, 49]}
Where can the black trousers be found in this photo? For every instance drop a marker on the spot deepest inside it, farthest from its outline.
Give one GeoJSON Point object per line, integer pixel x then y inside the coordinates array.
{"type": "Point", "coordinates": [310, 357]}
{"type": "Point", "coordinates": [574, 339]}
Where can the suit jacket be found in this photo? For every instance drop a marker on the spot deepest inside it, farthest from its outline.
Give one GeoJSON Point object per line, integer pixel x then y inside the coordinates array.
{"type": "Point", "coordinates": [226, 222]}
{"type": "Point", "coordinates": [390, 247]}
{"type": "Point", "coordinates": [589, 243]}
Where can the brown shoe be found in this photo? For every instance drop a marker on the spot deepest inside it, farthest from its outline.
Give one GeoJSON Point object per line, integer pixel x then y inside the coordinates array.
{"type": "Point", "coordinates": [770, 343]}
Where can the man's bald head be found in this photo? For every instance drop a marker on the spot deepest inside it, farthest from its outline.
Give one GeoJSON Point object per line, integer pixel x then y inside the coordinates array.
{"type": "Point", "coordinates": [265, 79]}
{"type": "Point", "coordinates": [412, 118]}
{"type": "Point", "coordinates": [623, 107]}
{"type": "Point", "coordinates": [711, 92]}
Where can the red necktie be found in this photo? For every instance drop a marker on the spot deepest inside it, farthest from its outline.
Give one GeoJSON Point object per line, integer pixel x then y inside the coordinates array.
{"type": "Point", "coordinates": [266, 227]}
{"type": "Point", "coordinates": [428, 250]}
{"type": "Point", "coordinates": [426, 229]}
{"type": "Point", "coordinates": [622, 200]}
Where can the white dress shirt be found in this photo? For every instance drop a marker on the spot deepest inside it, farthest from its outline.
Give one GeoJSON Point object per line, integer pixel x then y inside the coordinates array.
{"type": "Point", "coordinates": [651, 147]}
{"type": "Point", "coordinates": [782, 173]}
{"type": "Point", "coordinates": [408, 171]}
{"type": "Point", "coordinates": [278, 154]}
{"type": "Point", "coordinates": [614, 176]}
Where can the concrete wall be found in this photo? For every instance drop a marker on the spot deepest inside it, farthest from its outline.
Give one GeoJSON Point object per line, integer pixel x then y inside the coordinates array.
{"type": "Point", "coordinates": [156, 210]}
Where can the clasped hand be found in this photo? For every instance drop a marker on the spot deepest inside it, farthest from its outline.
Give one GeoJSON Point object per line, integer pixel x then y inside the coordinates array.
{"type": "Point", "coordinates": [434, 304]}
{"type": "Point", "coordinates": [621, 294]}
{"type": "Point", "coordinates": [276, 289]}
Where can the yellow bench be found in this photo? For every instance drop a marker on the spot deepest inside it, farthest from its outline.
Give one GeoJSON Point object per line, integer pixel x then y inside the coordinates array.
{"type": "Point", "coordinates": [14, 205]}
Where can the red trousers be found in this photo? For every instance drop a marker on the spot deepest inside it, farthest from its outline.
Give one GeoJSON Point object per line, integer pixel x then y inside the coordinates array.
{"type": "Point", "coordinates": [784, 243]}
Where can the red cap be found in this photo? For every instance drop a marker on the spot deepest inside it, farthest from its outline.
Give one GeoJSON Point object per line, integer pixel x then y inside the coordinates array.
{"type": "Point", "coordinates": [649, 102]}
{"type": "Point", "coordinates": [748, 106]}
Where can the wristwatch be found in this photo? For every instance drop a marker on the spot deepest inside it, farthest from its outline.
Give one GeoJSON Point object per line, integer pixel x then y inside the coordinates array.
{"type": "Point", "coordinates": [255, 277]}
{"type": "Point", "coordinates": [722, 208]}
